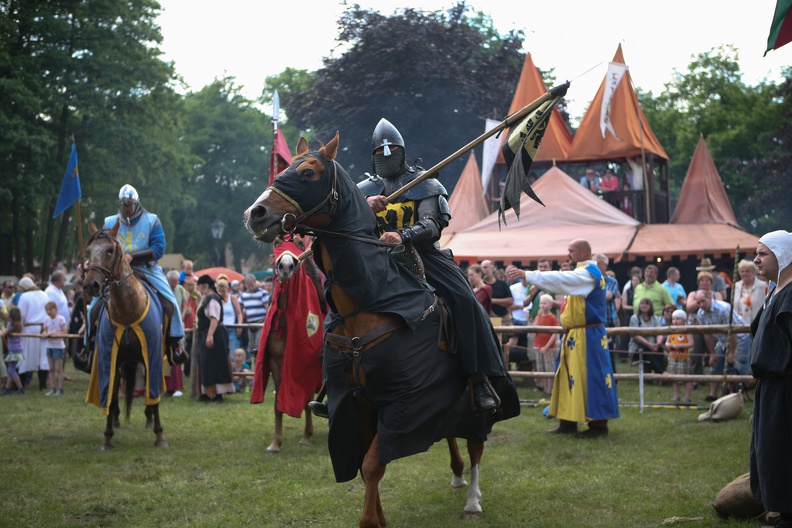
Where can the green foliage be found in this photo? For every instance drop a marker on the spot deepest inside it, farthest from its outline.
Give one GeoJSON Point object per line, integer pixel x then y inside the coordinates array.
{"type": "Point", "coordinates": [227, 137]}
{"type": "Point", "coordinates": [710, 99]}
{"type": "Point", "coordinates": [432, 74]}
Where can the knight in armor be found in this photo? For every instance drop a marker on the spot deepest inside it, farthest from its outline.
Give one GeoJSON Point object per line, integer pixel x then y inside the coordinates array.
{"type": "Point", "coordinates": [416, 219]}
{"type": "Point", "coordinates": [143, 239]}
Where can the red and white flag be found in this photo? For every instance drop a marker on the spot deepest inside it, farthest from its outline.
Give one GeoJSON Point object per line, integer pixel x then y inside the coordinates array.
{"type": "Point", "coordinates": [616, 71]}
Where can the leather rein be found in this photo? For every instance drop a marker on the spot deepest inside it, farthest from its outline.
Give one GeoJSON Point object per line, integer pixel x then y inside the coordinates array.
{"type": "Point", "coordinates": [110, 274]}
{"type": "Point", "coordinates": [297, 225]}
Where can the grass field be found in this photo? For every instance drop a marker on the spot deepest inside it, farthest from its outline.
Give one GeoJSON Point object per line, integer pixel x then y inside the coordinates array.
{"type": "Point", "coordinates": [654, 465]}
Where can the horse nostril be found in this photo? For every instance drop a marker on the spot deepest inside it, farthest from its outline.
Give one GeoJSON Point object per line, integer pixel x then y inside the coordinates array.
{"type": "Point", "coordinates": [258, 212]}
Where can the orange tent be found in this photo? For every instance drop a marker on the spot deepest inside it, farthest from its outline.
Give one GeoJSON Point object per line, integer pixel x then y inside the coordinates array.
{"type": "Point", "coordinates": [703, 198]}
{"type": "Point", "coordinates": [571, 211]}
{"type": "Point", "coordinates": [467, 200]}
{"type": "Point", "coordinates": [557, 139]}
{"type": "Point", "coordinates": [628, 121]}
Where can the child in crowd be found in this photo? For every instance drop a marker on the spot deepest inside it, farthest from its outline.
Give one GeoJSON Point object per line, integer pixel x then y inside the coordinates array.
{"type": "Point", "coordinates": [14, 356]}
{"type": "Point", "coordinates": [678, 347]}
{"type": "Point", "coordinates": [56, 347]}
{"type": "Point", "coordinates": [240, 367]}
{"type": "Point", "coordinates": [546, 344]}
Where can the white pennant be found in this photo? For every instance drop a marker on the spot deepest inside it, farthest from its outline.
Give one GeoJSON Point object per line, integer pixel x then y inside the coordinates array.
{"type": "Point", "coordinates": [616, 71]}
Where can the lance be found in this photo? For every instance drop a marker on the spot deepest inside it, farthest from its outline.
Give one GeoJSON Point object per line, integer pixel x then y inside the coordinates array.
{"type": "Point", "coordinates": [511, 119]}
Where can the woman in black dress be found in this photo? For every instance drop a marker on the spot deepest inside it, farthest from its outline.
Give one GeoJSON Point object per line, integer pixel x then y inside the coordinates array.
{"type": "Point", "coordinates": [214, 365]}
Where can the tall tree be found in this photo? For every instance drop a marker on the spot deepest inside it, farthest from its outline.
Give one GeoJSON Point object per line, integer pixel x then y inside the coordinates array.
{"type": "Point", "coordinates": [710, 98]}
{"type": "Point", "coordinates": [229, 139]}
{"type": "Point", "coordinates": [93, 71]}
{"type": "Point", "coordinates": [432, 74]}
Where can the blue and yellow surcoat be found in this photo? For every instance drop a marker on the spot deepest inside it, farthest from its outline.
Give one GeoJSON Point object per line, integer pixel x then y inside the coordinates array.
{"type": "Point", "coordinates": [584, 387]}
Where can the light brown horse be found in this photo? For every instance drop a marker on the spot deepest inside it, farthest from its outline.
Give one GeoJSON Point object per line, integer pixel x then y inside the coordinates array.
{"type": "Point", "coordinates": [314, 193]}
{"type": "Point", "coordinates": [108, 274]}
{"type": "Point", "coordinates": [290, 277]}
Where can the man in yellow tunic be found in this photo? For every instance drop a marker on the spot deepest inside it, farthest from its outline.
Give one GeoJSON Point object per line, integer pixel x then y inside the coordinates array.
{"type": "Point", "coordinates": [584, 389]}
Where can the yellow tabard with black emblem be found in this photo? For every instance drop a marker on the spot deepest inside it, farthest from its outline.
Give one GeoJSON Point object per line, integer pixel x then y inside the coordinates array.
{"type": "Point", "coordinates": [396, 216]}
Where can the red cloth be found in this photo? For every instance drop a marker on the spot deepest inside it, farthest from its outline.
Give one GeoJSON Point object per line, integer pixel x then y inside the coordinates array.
{"type": "Point", "coordinates": [280, 158]}
{"type": "Point", "coordinates": [302, 367]}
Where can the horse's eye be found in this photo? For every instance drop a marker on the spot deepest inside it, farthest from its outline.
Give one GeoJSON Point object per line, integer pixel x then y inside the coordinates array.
{"type": "Point", "coordinates": [109, 251]}
{"type": "Point", "coordinates": [307, 173]}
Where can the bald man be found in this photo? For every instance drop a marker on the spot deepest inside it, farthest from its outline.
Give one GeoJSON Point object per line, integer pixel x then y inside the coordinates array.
{"type": "Point", "coordinates": [584, 389]}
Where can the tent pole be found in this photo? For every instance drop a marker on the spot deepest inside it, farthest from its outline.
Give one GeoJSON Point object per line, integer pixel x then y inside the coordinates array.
{"type": "Point", "coordinates": [647, 181]}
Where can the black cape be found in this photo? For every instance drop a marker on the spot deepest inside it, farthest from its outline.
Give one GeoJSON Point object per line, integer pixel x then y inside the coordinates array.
{"type": "Point", "coordinates": [771, 434]}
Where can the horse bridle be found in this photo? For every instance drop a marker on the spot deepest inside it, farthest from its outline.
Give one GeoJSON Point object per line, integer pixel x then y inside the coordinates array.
{"type": "Point", "coordinates": [297, 225]}
{"type": "Point", "coordinates": [108, 273]}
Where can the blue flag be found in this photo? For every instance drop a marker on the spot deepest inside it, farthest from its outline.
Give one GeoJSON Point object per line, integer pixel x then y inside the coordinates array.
{"type": "Point", "coordinates": [70, 188]}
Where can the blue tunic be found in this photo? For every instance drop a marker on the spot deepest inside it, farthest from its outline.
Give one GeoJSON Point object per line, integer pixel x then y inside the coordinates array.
{"type": "Point", "coordinates": [146, 233]}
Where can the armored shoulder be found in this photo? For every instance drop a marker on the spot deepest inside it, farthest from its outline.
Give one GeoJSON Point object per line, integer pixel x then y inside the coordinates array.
{"type": "Point", "coordinates": [427, 188]}
{"type": "Point", "coordinates": [372, 186]}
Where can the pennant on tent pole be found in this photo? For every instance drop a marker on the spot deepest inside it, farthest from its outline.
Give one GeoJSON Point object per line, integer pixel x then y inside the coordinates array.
{"type": "Point", "coordinates": [781, 28]}
{"type": "Point", "coordinates": [519, 151]}
{"type": "Point", "coordinates": [281, 157]}
{"type": "Point", "coordinates": [489, 153]}
{"type": "Point", "coordinates": [70, 190]}
{"type": "Point", "coordinates": [616, 71]}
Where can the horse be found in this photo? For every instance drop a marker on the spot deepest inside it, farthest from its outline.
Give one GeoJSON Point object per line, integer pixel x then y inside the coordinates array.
{"type": "Point", "coordinates": [393, 386]}
{"type": "Point", "coordinates": [290, 342]}
{"type": "Point", "coordinates": [130, 331]}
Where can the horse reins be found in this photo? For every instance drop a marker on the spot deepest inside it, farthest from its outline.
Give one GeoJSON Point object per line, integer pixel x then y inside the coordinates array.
{"type": "Point", "coordinates": [332, 198]}
{"type": "Point", "coordinates": [107, 273]}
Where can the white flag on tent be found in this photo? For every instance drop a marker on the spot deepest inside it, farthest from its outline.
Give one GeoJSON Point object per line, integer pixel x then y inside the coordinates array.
{"type": "Point", "coordinates": [616, 71]}
{"type": "Point", "coordinates": [489, 153]}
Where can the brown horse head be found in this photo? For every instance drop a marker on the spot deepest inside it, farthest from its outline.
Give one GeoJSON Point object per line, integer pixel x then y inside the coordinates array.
{"type": "Point", "coordinates": [298, 195]}
{"type": "Point", "coordinates": [105, 259]}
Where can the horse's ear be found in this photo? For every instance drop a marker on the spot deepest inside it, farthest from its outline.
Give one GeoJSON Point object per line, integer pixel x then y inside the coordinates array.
{"type": "Point", "coordinates": [92, 228]}
{"type": "Point", "coordinates": [330, 150]}
{"type": "Point", "coordinates": [114, 231]}
{"type": "Point", "coordinates": [302, 146]}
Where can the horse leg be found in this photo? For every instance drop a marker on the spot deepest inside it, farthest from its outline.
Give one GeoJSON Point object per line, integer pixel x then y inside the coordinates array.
{"type": "Point", "coordinates": [277, 440]}
{"type": "Point", "coordinates": [149, 417]}
{"type": "Point", "coordinates": [473, 506]}
{"type": "Point", "coordinates": [308, 429]}
{"type": "Point", "coordinates": [457, 464]}
{"type": "Point", "coordinates": [112, 419]}
{"type": "Point", "coordinates": [275, 349]}
{"type": "Point", "coordinates": [159, 439]}
{"type": "Point", "coordinates": [372, 472]}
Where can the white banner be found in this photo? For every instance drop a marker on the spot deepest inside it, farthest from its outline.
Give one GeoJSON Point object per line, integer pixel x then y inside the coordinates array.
{"type": "Point", "coordinates": [612, 79]}
{"type": "Point", "coordinates": [490, 153]}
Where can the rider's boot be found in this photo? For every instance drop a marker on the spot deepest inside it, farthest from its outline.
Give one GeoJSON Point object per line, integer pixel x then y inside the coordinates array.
{"type": "Point", "coordinates": [483, 398]}
{"type": "Point", "coordinates": [318, 406]}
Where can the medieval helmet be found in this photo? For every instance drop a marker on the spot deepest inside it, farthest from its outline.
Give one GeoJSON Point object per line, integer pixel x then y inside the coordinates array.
{"type": "Point", "coordinates": [390, 163]}
{"type": "Point", "coordinates": [128, 195]}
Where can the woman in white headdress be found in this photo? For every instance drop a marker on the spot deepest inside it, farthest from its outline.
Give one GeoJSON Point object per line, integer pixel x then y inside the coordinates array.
{"type": "Point", "coordinates": [771, 363]}
{"type": "Point", "coordinates": [32, 304]}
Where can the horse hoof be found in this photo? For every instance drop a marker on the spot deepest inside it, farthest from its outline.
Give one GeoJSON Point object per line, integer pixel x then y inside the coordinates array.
{"type": "Point", "coordinates": [105, 447]}
{"type": "Point", "coordinates": [161, 443]}
{"type": "Point", "coordinates": [150, 425]}
{"type": "Point", "coordinates": [471, 515]}
{"type": "Point", "coordinates": [304, 443]}
{"type": "Point", "coordinates": [458, 482]}
{"type": "Point", "coordinates": [272, 451]}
